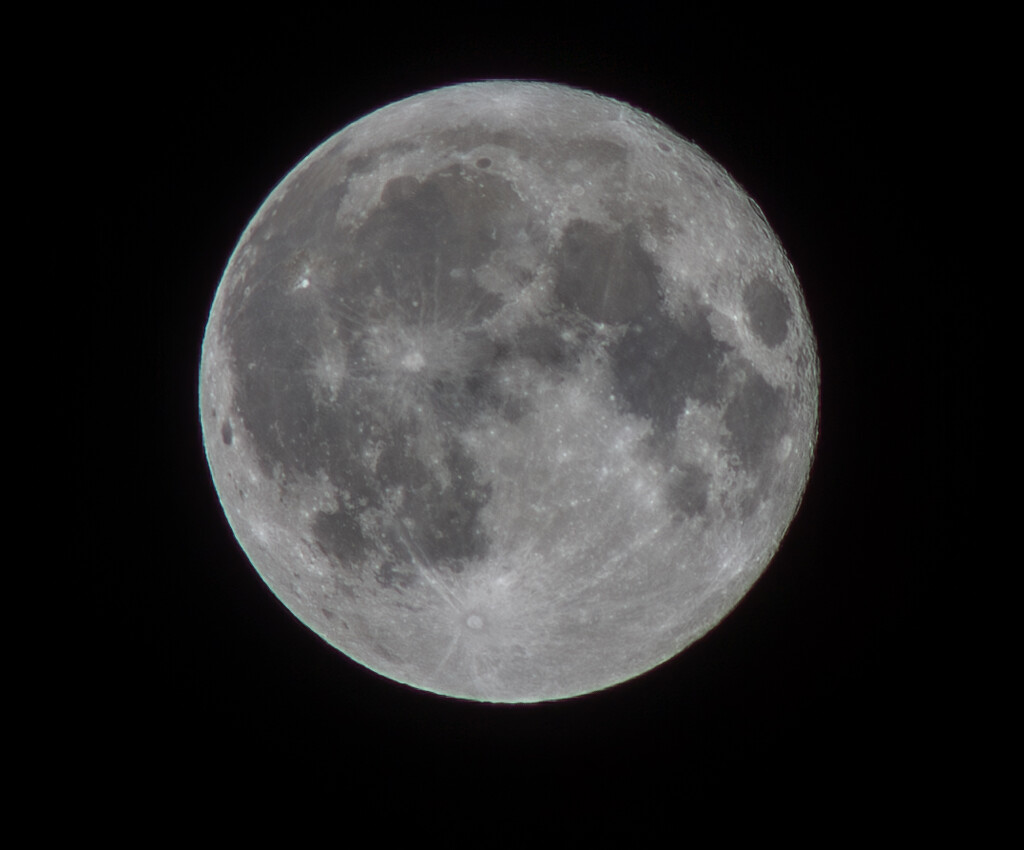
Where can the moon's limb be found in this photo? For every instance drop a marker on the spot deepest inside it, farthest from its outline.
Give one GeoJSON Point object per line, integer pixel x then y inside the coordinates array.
{"type": "Point", "coordinates": [509, 392]}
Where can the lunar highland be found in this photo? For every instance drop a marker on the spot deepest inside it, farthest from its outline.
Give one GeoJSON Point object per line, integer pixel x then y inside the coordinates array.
{"type": "Point", "coordinates": [509, 392]}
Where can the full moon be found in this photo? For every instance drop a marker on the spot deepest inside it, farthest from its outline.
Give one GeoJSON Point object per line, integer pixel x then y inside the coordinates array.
{"type": "Point", "coordinates": [509, 392]}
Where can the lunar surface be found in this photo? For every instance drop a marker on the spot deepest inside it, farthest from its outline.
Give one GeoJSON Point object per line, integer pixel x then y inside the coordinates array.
{"type": "Point", "coordinates": [509, 392]}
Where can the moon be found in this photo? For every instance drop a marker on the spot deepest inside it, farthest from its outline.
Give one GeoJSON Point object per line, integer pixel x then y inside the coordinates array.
{"type": "Point", "coordinates": [509, 392]}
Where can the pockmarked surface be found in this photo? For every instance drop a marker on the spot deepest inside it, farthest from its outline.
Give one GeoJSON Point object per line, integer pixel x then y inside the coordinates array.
{"type": "Point", "coordinates": [509, 392]}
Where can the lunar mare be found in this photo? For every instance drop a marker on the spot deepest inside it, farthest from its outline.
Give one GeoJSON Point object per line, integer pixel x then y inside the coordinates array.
{"type": "Point", "coordinates": [509, 392]}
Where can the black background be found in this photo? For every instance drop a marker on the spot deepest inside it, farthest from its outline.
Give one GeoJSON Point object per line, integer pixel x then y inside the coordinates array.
{"type": "Point", "coordinates": [194, 683]}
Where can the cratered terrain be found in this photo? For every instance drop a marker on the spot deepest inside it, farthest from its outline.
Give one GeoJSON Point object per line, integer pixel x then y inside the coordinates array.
{"type": "Point", "coordinates": [509, 392]}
